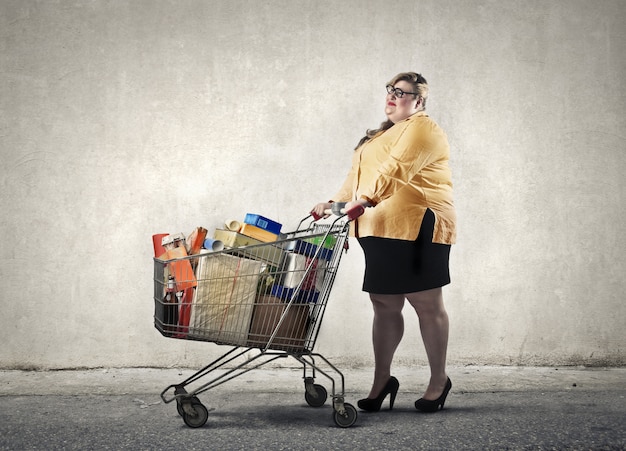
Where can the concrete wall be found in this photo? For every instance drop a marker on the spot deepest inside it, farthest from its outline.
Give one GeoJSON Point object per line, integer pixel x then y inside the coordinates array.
{"type": "Point", "coordinates": [120, 119]}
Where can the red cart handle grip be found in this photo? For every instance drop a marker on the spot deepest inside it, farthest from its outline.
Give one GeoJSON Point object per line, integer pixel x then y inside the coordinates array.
{"type": "Point", "coordinates": [352, 213]}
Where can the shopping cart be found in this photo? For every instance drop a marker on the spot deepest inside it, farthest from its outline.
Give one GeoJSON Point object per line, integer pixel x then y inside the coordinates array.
{"type": "Point", "coordinates": [266, 301]}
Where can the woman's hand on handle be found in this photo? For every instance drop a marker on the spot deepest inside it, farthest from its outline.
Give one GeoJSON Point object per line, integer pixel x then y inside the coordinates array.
{"type": "Point", "coordinates": [352, 209]}
{"type": "Point", "coordinates": [319, 211]}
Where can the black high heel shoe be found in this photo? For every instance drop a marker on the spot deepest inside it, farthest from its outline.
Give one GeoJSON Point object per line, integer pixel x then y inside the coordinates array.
{"type": "Point", "coordinates": [426, 405]}
{"type": "Point", "coordinates": [373, 404]}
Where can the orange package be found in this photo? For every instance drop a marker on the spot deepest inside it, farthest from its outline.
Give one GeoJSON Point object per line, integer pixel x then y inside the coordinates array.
{"type": "Point", "coordinates": [195, 240]}
{"type": "Point", "coordinates": [181, 270]}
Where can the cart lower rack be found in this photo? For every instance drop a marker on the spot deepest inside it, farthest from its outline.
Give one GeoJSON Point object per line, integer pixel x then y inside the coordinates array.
{"type": "Point", "coordinates": [266, 301]}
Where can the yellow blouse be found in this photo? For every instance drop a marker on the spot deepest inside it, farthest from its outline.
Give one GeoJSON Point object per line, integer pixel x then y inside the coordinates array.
{"type": "Point", "coordinates": [402, 172]}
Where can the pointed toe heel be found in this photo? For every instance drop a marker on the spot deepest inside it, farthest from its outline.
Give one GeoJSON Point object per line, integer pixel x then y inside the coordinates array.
{"type": "Point", "coordinates": [425, 405]}
{"type": "Point", "coordinates": [373, 404]}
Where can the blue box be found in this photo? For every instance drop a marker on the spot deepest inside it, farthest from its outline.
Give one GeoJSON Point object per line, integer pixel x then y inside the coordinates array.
{"type": "Point", "coordinates": [309, 249]}
{"type": "Point", "coordinates": [303, 296]}
{"type": "Point", "coordinates": [263, 223]}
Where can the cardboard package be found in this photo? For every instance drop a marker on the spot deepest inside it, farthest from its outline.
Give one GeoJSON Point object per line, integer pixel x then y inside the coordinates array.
{"type": "Point", "coordinates": [263, 223]}
{"type": "Point", "coordinates": [157, 244]}
{"type": "Point", "coordinates": [267, 253]}
{"type": "Point", "coordinates": [195, 240]}
{"type": "Point", "coordinates": [181, 270]}
{"type": "Point", "coordinates": [292, 333]}
{"type": "Point", "coordinates": [224, 298]}
{"type": "Point", "coordinates": [258, 233]}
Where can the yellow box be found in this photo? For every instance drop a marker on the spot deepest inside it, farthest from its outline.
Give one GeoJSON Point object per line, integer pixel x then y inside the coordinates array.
{"type": "Point", "coordinates": [258, 233]}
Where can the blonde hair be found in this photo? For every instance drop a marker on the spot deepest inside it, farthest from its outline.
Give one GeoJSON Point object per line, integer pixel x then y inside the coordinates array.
{"type": "Point", "coordinates": [420, 86]}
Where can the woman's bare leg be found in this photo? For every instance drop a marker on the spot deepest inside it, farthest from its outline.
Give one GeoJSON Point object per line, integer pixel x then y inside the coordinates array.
{"type": "Point", "coordinates": [387, 331]}
{"type": "Point", "coordinates": [434, 327]}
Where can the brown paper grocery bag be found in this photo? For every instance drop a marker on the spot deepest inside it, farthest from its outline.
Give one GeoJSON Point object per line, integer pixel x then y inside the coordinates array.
{"type": "Point", "coordinates": [290, 336]}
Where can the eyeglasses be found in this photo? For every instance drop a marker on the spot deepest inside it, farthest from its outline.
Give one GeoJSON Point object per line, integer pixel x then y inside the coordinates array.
{"type": "Point", "coordinates": [399, 93]}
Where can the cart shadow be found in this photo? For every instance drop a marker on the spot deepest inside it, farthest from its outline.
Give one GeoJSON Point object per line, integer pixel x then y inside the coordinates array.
{"type": "Point", "coordinates": [266, 416]}
{"type": "Point", "coordinates": [299, 417]}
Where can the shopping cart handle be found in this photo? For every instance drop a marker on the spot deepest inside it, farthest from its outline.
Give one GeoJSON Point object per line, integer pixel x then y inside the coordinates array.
{"type": "Point", "coordinates": [338, 210]}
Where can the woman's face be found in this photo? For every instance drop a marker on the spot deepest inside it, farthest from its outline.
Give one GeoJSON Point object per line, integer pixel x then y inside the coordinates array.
{"type": "Point", "coordinates": [399, 108]}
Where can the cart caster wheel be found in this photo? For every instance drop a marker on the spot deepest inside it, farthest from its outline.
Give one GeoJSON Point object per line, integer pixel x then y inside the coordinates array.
{"type": "Point", "coordinates": [347, 419]}
{"type": "Point", "coordinates": [200, 417]}
{"type": "Point", "coordinates": [319, 398]}
{"type": "Point", "coordinates": [179, 405]}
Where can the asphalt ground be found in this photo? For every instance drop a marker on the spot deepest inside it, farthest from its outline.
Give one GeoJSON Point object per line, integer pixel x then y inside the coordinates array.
{"type": "Point", "coordinates": [499, 408]}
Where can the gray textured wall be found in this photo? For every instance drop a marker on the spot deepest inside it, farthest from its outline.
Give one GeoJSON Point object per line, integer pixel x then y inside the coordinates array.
{"type": "Point", "coordinates": [120, 119]}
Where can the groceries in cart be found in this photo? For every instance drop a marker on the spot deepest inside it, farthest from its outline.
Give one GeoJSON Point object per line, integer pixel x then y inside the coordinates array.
{"type": "Point", "coordinates": [248, 285]}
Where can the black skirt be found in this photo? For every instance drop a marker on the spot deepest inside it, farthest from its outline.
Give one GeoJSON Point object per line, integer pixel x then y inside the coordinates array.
{"type": "Point", "coordinates": [400, 266]}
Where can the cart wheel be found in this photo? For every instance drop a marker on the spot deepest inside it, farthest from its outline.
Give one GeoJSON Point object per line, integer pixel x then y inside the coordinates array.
{"type": "Point", "coordinates": [319, 398]}
{"type": "Point", "coordinates": [179, 404]}
{"type": "Point", "coordinates": [199, 419]}
{"type": "Point", "coordinates": [347, 419]}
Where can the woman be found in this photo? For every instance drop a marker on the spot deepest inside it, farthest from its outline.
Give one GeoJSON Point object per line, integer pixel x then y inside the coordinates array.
{"type": "Point", "coordinates": [400, 171]}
